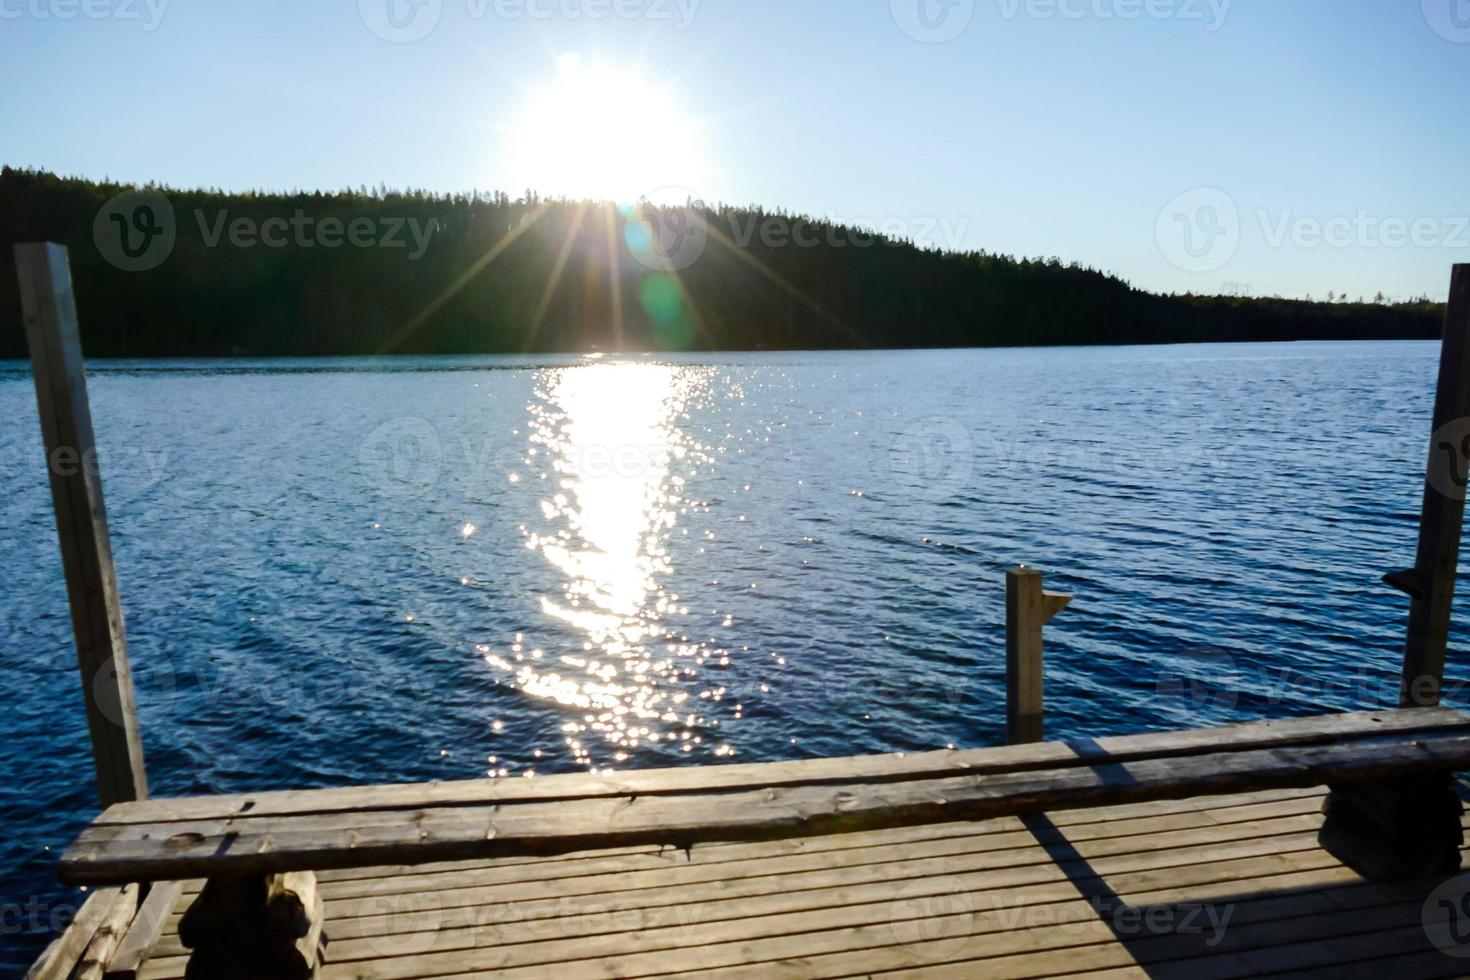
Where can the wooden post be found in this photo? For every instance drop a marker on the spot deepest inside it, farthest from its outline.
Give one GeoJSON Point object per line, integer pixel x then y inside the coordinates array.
{"type": "Point", "coordinates": [1028, 608]}
{"type": "Point", "coordinates": [1430, 584]}
{"type": "Point", "coordinates": [1410, 828]}
{"type": "Point", "coordinates": [49, 310]}
{"type": "Point", "coordinates": [267, 926]}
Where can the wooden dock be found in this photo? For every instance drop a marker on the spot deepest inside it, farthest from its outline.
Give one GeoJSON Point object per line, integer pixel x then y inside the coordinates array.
{"type": "Point", "coordinates": [937, 864]}
{"type": "Point", "coordinates": [1206, 888]}
{"type": "Point", "coordinates": [1326, 846]}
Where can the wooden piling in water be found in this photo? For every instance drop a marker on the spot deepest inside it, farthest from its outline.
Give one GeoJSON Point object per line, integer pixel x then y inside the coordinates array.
{"type": "Point", "coordinates": [1430, 584]}
{"type": "Point", "coordinates": [49, 311]}
{"type": "Point", "coordinates": [1029, 607]}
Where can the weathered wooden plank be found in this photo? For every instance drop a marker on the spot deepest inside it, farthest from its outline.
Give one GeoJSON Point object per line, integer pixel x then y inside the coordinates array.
{"type": "Point", "coordinates": [249, 845]}
{"type": "Point", "coordinates": [757, 776]}
{"type": "Point", "coordinates": [668, 880]}
{"type": "Point", "coordinates": [510, 924]}
{"type": "Point", "coordinates": [508, 870]}
{"type": "Point", "coordinates": [426, 823]}
{"type": "Point", "coordinates": [1252, 948]}
{"type": "Point", "coordinates": [1420, 966]}
{"type": "Point", "coordinates": [144, 932]}
{"type": "Point", "coordinates": [1192, 871]}
{"type": "Point", "coordinates": [1320, 949]}
{"type": "Point", "coordinates": [58, 960]}
{"type": "Point", "coordinates": [764, 858]}
{"type": "Point", "coordinates": [673, 890]}
{"type": "Point", "coordinates": [1307, 928]}
{"type": "Point", "coordinates": [517, 943]}
{"type": "Point", "coordinates": [1144, 868]}
{"type": "Point", "coordinates": [1213, 804]}
{"type": "Point", "coordinates": [49, 310]}
{"type": "Point", "coordinates": [109, 934]}
{"type": "Point", "coordinates": [1097, 821]}
{"type": "Point", "coordinates": [997, 934]}
{"type": "Point", "coordinates": [672, 883]}
{"type": "Point", "coordinates": [1444, 507]}
{"type": "Point", "coordinates": [549, 936]}
{"type": "Point", "coordinates": [845, 886]}
{"type": "Point", "coordinates": [1009, 850]}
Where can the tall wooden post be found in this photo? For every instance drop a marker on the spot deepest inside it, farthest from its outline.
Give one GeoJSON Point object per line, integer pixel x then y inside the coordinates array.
{"type": "Point", "coordinates": [1029, 608]}
{"type": "Point", "coordinates": [1430, 584]}
{"type": "Point", "coordinates": [49, 310]}
{"type": "Point", "coordinates": [1409, 828]}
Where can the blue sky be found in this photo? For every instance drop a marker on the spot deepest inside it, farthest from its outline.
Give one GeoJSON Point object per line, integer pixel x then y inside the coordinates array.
{"type": "Point", "coordinates": [1261, 146]}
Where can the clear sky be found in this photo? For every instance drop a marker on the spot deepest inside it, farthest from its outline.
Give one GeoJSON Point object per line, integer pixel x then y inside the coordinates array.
{"type": "Point", "coordinates": [1268, 146]}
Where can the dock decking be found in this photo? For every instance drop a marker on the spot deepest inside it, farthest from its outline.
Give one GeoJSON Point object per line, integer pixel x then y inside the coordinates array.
{"type": "Point", "coordinates": [1205, 888]}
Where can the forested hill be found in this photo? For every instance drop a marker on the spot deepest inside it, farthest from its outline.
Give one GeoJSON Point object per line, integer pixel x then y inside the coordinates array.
{"type": "Point", "coordinates": [160, 272]}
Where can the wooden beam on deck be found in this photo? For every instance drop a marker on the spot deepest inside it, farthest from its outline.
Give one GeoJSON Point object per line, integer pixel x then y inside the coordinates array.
{"type": "Point", "coordinates": [144, 931]}
{"type": "Point", "coordinates": [60, 959]}
{"type": "Point", "coordinates": [1430, 584]}
{"type": "Point", "coordinates": [157, 846]}
{"type": "Point", "coordinates": [110, 933]}
{"type": "Point", "coordinates": [49, 310]}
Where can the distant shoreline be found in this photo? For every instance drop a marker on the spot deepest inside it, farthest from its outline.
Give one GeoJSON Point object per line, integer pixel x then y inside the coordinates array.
{"type": "Point", "coordinates": [23, 363]}
{"type": "Point", "coordinates": [166, 273]}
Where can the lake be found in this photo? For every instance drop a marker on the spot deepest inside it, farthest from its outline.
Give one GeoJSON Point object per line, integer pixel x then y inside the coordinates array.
{"type": "Point", "coordinates": [355, 571]}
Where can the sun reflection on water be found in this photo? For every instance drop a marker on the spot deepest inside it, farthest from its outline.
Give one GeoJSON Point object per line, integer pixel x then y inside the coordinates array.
{"type": "Point", "coordinates": [606, 450]}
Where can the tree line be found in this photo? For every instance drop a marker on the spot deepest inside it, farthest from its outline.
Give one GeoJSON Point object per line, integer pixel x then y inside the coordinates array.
{"type": "Point", "coordinates": [165, 272]}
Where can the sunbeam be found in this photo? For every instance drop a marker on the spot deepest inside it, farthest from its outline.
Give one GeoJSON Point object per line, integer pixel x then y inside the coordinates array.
{"type": "Point", "coordinates": [469, 274]}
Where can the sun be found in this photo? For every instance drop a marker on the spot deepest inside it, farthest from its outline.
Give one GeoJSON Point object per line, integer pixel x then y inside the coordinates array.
{"type": "Point", "coordinates": [606, 134]}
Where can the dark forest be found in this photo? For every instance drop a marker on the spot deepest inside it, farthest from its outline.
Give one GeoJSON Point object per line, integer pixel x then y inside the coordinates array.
{"type": "Point", "coordinates": [161, 272]}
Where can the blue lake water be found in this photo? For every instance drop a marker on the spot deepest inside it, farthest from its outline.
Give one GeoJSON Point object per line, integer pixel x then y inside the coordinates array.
{"type": "Point", "coordinates": [356, 571]}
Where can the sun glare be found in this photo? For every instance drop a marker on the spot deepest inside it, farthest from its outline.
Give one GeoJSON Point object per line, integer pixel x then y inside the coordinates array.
{"type": "Point", "coordinates": [598, 132]}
